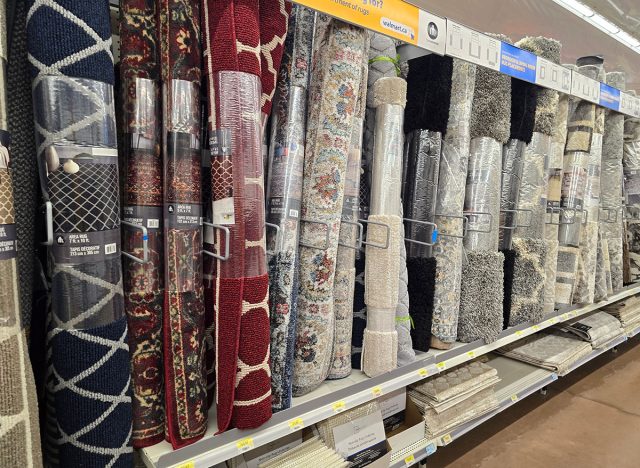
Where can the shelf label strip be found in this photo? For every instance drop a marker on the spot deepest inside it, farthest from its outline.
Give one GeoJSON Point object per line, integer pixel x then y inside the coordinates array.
{"type": "Point", "coordinates": [609, 97]}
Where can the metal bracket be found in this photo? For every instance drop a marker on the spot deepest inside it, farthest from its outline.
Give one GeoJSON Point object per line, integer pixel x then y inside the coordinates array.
{"type": "Point", "coordinates": [434, 232]}
{"type": "Point", "coordinates": [561, 212]}
{"type": "Point", "coordinates": [48, 216]}
{"type": "Point", "coordinates": [479, 213]}
{"type": "Point", "coordinates": [378, 246]}
{"type": "Point", "coordinates": [145, 242]}
{"type": "Point", "coordinates": [465, 221]}
{"type": "Point", "coordinates": [360, 240]}
{"type": "Point", "coordinates": [277, 242]}
{"type": "Point", "coordinates": [609, 211]}
{"type": "Point", "coordinates": [517, 212]}
{"type": "Point", "coordinates": [585, 220]}
{"type": "Point", "coordinates": [326, 238]}
{"type": "Point", "coordinates": [227, 242]}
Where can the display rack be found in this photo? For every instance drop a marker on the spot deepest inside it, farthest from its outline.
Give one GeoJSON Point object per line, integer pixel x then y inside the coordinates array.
{"type": "Point", "coordinates": [336, 396]}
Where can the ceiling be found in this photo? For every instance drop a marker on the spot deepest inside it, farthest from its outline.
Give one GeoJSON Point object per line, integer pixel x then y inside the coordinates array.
{"type": "Point", "coordinates": [520, 18]}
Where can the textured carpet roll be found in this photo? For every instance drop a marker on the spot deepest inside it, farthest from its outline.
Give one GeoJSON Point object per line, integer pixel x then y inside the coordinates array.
{"type": "Point", "coordinates": [566, 273]}
{"type": "Point", "coordinates": [89, 377]}
{"type": "Point", "coordinates": [380, 344]}
{"type": "Point", "coordinates": [337, 75]}
{"type": "Point", "coordinates": [421, 273]}
{"type": "Point", "coordinates": [612, 155]}
{"type": "Point", "coordinates": [19, 434]}
{"type": "Point", "coordinates": [143, 283]}
{"type": "Point", "coordinates": [512, 162]}
{"type": "Point", "coordinates": [631, 165]}
{"type": "Point", "coordinates": [346, 256]}
{"type": "Point", "coordinates": [527, 296]}
{"type": "Point", "coordinates": [284, 197]}
{"type": "Point", "coordinates": [450, 204]}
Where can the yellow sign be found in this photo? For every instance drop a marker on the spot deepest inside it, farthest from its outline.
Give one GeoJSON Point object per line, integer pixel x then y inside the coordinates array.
{"type": "Point", "coordinates": [423, 372]}
{"type": "Point", "coordinates": [514, 398]}
{"type": "Point", "coordinates": [394, 18]}
{"type": "Point", "coordinates": [446, 439]}
{"type": "Point", "coordinates": [245, 445]}
{"type": "Point", "coordinates": [471, 354]}
{"type": "Point", "coordinates": [188, 464]}
{"type": "Point", "coordinates": [376, 391]}
{"type": "Point", "coordinates": [519, 333]}
{"type": "Point", "coordinates": [339, 406]}
{"type": "Point", "coordinates": [441, 365]}
{"type": "Point", "coordinates": [296, 424]}
{"type": "Point", "coordinates": [409, 460]}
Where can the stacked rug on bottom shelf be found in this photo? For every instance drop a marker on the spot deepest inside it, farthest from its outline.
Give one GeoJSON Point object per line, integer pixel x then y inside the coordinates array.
{"type": "Point", "coordinates": [549, 351]}
{"type": "Point", "coordinates": [312, 451]}
{"type": "Point", "coordinates": [598, 328]}
{"type": "Point", "coordinates": [627, 312]}
{"type": "Point", "coordinates": [458, 396]}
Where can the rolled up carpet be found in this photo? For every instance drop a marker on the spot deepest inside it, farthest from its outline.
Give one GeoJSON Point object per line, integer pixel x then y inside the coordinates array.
{"type": "Point", "coordinates": [380, 343]}
{"type": "Point", "coordinates": [580, 128]}
{"type": "Point", "coordinates": [600, 289]}
{"type": "Point", "coordinates": [428, 99]}
{"type": "Point", "coordinates": [19, 433]}
{"type": "Point", "coordinates": [612, 154]}
{"type": "Point", "coordinates": [481, 309]}
{"type": "Point", "coordinates": [631, 165]}
{"type": "Point", "coordinates": [345, 261]}
{"type": "Point", "coordinates": [284, 196]}
{"type": "Point", "coordinates": [143, 201]}
{"type": "Point", "coordinates": [450, 204]}
{"type": "Point", "coordinates": [89, 378]}
{"type": "Point", "coordinates": [337, 75]}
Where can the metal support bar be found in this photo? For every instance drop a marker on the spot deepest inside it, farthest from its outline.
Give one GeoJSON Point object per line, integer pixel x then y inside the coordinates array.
{"type": "Point", "coordinates": [434, 232]}
{"type": "Point", "coordinates": [465, 221]}
{"type": "Point", "coordinates": [227, 242]}
{"type": "Point", "coordinates": [378, 246]}
{"type": "Point", "coordinates": [561, 212]}
{"type": "Point", "coordinates": [360, 240]}
{"type": "Point", "coordinates": [48, 216]}
{"type": "Point", "coordinates": [145, 243]}
{"type": "Point", "coordinates": [277, 242]}
{"type": "Point", "coordinates": [480, 213]}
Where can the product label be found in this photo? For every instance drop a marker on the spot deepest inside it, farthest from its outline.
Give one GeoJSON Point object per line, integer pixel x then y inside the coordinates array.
{"type": "Point", "coordinates": [632, 186]}
{"type": "Point", "coordinates": [609, 97]}
{"type": "Point", "coordinates": [147, 216]}
{"type": "Point", "coordinates": [361, 441]}
{"type": "Point", "coordinates": [585, 88]}
{"type": "Point", "coordinates": [581, 326]}
{"type": "Point", "coordinates": [518, 63]}
{"type": "Point", "coordinates": [473, 46]}
{"type": "Point", "coordinates": [393, 406]}
{"type": "Point", "coordinates": [8, 242]}
{"type": "Point", "coordinates": [183, 215]}
{"type": "Point", "coordinates": [554, 76]}
{"type": "Point", "coordinates": [76, 248]}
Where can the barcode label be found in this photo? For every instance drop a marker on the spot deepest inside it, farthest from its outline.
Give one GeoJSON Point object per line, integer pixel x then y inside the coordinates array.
{"type": "Point", "coordinates": [153, 223]}
{"type": "Point", "coordinates": [293, 213]}
{"type": "Point", "coordinates": [110, 249]}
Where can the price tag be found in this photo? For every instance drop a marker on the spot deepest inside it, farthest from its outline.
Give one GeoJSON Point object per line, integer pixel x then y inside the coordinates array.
{"type": "Point", "coordinates": [446, 439]}
{"type": "Point", "coordinates": [245, 445]}
{"type": "Point", "coordinates": [565, 316]}
{"type": "Point", "coordinates": [585, 88]}
{"type": "Point", "coordinates": [339, 406]}
{"type": "Point", "coordinates": [441, 366]}
{"type": "Point", "coordinates": [514, 398]}
{"type": "Point", "coordinates": [410, 460]}
{"type": "Point", "coordinates": [423, 373]}
{"type": "Point", "coordinates": [376, 392]}
{"type": "Point", "coordinates": [431, 449]}
{"type": "Point", "coordinates": [535, 328]}
{"type": "Point", "coordinates": [471, 354]}
{"type": "Point", "coordinates": [472, 46]}
{"type": "Point", "coordinates": [188, 464]}
{"type": "Point", "coordinates": [296, 424]}
{"type": "Point", "coordinates": [554, 377]}
{"type": "Point", "coordinates": [626, 103]}
{"type": "Point", "coordinates": [554, 76]}
{"type": "Point", "coordinates": [519, 333]}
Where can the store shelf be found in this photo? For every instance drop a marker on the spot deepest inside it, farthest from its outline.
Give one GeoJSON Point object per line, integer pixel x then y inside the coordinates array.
{"type": "Point", "coordinates": [634, 332]}
{"type": "Point", "coordinates": [413, 454]}
{"type": "Point", "coordinates": [339, 395]}
{"type": "Point", "coordinates": [597, 352]}
{"type": "Point", "coordinates": [519, 380]}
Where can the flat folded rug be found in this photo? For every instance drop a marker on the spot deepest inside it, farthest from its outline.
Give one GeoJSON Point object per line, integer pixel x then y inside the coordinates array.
{"type": "Point", "coordinates": [336, 73]}
{"type": "Point", "coordinates": [313, 451]}
{"type": "Point", "coordinates": [284, 198]}
{"type": "Point", "coordinates": [597, 328]}
{"type": "Point", "coordinates": [143, 201]}
{"type": "Point", "coordinates": [549, 351]}
{"type": "Point", "coordinates": [450, 205]}
{"type": "Point", "coordinates": [88, 382]}
{"type": "Point", "coordinates": [19, 431]}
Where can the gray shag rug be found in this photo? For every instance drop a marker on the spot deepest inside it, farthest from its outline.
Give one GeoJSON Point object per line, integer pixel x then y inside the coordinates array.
{"type": "Point", "coordinates": [529, 276]}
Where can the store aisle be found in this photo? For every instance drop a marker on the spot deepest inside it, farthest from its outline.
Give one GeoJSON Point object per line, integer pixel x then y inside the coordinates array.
{"type": "Point", "coordinates": [590, 418]}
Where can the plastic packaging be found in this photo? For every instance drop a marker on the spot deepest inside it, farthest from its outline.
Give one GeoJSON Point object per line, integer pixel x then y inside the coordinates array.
{"type": "Point", "coordinates": [533, 191]}
{"type": "Point", "coordinates": [512, 155]}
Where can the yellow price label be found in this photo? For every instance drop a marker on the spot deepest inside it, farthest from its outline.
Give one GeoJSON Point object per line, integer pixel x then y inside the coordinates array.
{"type": "Point", "coordinates": [446, 439]}
{"type": "Point", "coordinates": [519, 333]}
{"type": "Point", "coordinates": [471, 354]}
{"type": "Point", "coordinates": [296, 424]}
{"type": "Point", "coordinates": [245, 445]}
{"type": "Point", "coordinates": [514, 398]}
{"type": "Point", "coordinates": [441, 365]}
{"type": "Point", "coordinates": [535, 328]}
{"type": "Point", "coordinates": [565, 316]}
{"type": "Point", "coordinates": [423, 372]}
{"type": "Point", "coordinates": [376, 392]}
{"type": "Point", "coordinates": [409, 460]}
{"type": "Point", "coordinates": [188, 464]}
{"type": "Point", "coordinates": [339, 406]}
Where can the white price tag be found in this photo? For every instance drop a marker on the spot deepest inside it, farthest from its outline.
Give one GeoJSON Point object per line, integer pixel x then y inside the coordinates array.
{"type": "Point", "coordinates": [585, 88]}
{"type": "Point", "coordinates": [472, 46]}
{"type": "Point", "coordinates": [432, 32]}
{"type": "Point", "coordinates": [626, 103]}
{"type": "Point", "coordinates": [554, 76]}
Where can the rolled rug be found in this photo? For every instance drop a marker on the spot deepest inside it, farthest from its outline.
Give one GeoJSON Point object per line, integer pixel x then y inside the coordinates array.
{"type": "Point", "coordinates": [143, 201]}
{"type": "Point", "coordinates": [580, 128]}
{"type": "Point", "coordinates": [612, 154]}
{"type": "Point", "coordinates": [450, 205]}
{"type": "Point", "coordinates": [89, 376]}
{"type": "Point", "coordinates": [631, 165]}
{"type": "Point", "coordinates": [343, 289]}
{"type": "Point", "coordinates": [600, 289]}
{"type": "Point", "coordinates": [585, 287]}
{"type": "Point", "coordinates": [426, 116]}
{"type": "Point", "coordinates": [284, 198]}
{"type": "Point", "coordinates": [380, 343]}
{"type": "Point", "coordinates": [23, 154]}
{"type": "Point", "coordinates": [482, 291]}
{"type": "Point", "coordinates": [337, 75]}
{"type": "Point", "coordinates": [554, 194]}
{"type": "Point", "coordinates": [20, 435]}
{"type": "Point", "coordinates": [383, 62]}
